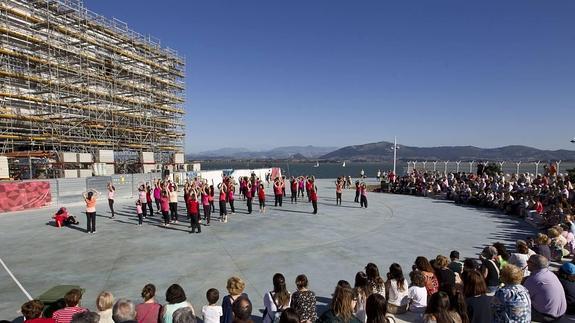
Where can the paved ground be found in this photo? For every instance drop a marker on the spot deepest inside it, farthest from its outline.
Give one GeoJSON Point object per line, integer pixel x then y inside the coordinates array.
{"type": "Point", "coordinates": [335, 244]}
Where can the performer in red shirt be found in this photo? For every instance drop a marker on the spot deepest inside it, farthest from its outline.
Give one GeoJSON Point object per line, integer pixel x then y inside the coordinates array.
{"type": "Point", "coordinates": [194, 213]}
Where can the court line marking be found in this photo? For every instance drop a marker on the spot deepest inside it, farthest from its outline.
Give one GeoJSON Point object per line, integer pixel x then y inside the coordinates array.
{"type": "Point", "coordinates": [16, 280]}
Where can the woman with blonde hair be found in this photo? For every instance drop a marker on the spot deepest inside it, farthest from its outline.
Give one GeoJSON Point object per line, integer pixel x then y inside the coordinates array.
{"type": "Point", "coordinates": [104, 303]}
{"type": "Point", "coordinates": [235, 287]}
{"type": "Point", "coordinates": [511, 302]}
{"type": "Point", "coordinates": [341, 308]}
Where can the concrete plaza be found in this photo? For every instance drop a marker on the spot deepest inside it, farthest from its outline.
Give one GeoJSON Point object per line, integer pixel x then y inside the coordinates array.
{"type": "Point", "coordinates": [335, 244]}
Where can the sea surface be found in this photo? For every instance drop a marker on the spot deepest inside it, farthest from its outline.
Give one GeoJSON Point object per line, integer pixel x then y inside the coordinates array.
{"type": "Point", "coordinates": [353, 169]}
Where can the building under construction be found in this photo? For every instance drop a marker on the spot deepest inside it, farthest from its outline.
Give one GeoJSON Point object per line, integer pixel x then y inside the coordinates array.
{"type": "Point", "coordinates": [74, 81]}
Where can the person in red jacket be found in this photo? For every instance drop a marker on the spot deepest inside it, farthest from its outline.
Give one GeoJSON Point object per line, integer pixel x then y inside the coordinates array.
{"type": "Point", "coordinates": [313, 196]}
{"type": "Point", "coordinates": [194, 213]}
{"type": "Point", "coordinates": [262, 198]}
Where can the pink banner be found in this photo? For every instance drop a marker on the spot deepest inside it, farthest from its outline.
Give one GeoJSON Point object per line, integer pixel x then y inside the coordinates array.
{"type": "Point", "coordinates": [16, 196]}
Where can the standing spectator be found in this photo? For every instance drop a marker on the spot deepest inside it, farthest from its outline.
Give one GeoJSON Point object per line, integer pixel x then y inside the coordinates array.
{"type": "Point", "coordinates": [490, 268]}
{"type": "Point", "coordinates": [547, 295]}
{"type": "Point", "coordinates": [212, 312]}
{"type": "Point", "coordinates": [72, 300]}
{"type": "Point", "coordinates": [104, 303]}
{"type": "Point", "coordinates": [176, 298]}
{"type": "Point", "coordinates": [475, 292]}
{"type": "Point", "coordinates": [32, 311]}
{"type": "Point", "coordinates": [341, 308]}
{"type": "Point", "coordinates": [303, 300]}
{"type": "Point", "coordinates": [277, 300]}
{"type": "Point", "coordinates": [235, 287]}
{"type": "Point", "coordinates": [124, 311]}
{"type": "Point", "coordinates": [111, 192]}
{"type": "Point", "coordinates": [396, 290]}
{"type": "Point", "coordinates": [149, 310]}
{"type": "Point", "coordinates": [511, 302]}
{"type": "Point", "coordinates": [566, 276]}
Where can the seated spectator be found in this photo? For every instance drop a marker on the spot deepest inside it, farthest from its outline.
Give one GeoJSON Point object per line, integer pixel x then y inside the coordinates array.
{"type": "Point", "coordinates": [277, 300]}
{"type": "Point", "coordinates": [396, 290]}
{"type": "Point", "coordinates": [541, 246]}
{"type": "Point", "coordinates": [290, 316]}
{"type": "Point", "coordinates": [85, 317]}
{"type": "Point", "coordinates": [341, 308]}
{"type": "Point", "coordinates": [184, 315]}
{"type": "Point", "coordinates": [445, 276]}
{"type": "Point", "coordinates": [242, 310]}
{"type": "Point", "coordinates": [72, 299]}
{"type": "Point", "coordinates": [235, 287]}
{"type": "Point", "coordinates": [478, 303]}
{"type": "Point", "coordinates": [520, 257]}
{"type": "Point", "coordinates": [511, 302]}
{"type": "Point", "coordinates": [417, 293]}
{"type": "Point", "coordinates": [376, 283]}
{"type": "Point", "coordinates": [455, 265]}
{"type": "Point", "coordinates": [362, 290]}
{"type": "Point", "coordinates": [32, 312]}
{"type": "Point", "coordinates": [490, 268]}
{"type": "Point", "coordinates": [502, 254]}
{"type": "Point", "coordinates": [303, 300]}
{"type": "Point", "coordinates": [557, 244]}
{"type": "Point", "coordinates": [149, 310]}
{"type": "Point", "coordinates": [566, 276]}
{"type": "Point", "coordinates": [438, 310]}
{"type": "Point", "coordinates": [431, 282]}
{"type": "Point", "coordinates": [547, 295]}
{"type": "Point", "coordinates": [124, 311]}
{"type": "Point", "coordinates": [104, 303]}
{"type": "Point", "coordinates": [212, 312]}
{"type": "Point", "coordinates": [376, 309]}
{"type": "Point", "coordinates": [176, 298]}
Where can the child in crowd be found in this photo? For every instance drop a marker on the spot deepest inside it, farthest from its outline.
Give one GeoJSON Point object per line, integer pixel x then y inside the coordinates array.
{"type": "Point", "coordinates": [262, 198]}
{"type": "Point", "coordinates": [212, 312]}
{"type": "Point", "coordinates": [139, 211]}
{"type": "Point", "coordinates": [417, 293]}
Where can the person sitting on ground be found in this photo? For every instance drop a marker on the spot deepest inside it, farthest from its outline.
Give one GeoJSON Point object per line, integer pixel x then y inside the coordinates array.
{"type": "Point", "coordinates": [290, 315]}
{"type": "Point", "coordinates": [242, 310]}
{"type": "Point", "coordinates": [303, 300]}
{"type": "Point", "coordinates": [376, 310]}
{"type": "Point", "coordinates": [396, 290]}
{"type": "Point", "coordinates": [72, 299]}
{"type": "Point", "coordinates": [431, 282]}
{"type": "Point", "coordinates": [235, 287]}
{"type": "Point", "coordinates": [502, 254]}
{"type": "Point", "coordinates": [104, 303]}
{"type": "Point", "coordinates": [32, 312]}
{"type": "Point", "coordinates": [176, 298]}
{"type": "Point", "coordinates": [438, 310]}
{"type": "Point", "coordinates": [212, 312]}
{"type": "Point", "coordinates": [557, 243]}
{"type": "Point", "coordinates": [277, 300]}
{"type": "Point", "coordinates": [341, 308]}
{"type": "Point", "coordinates": [455, 265]}
{"type": "Point", "coordinates": [490, 268]}
{"type": "Point", "coordinates": [85, 317]}
{"type": "Point", "coordinates": [124, 311]}
{"type": "Point", "coordinates": [478, 303]}
{"type": "Point", "coordinates": [184, 315]}
{"type": "Point", "coordinates": [445, 276]}
{"type": "Point", "coordinates": [149, 310]}
{"type": "Point", "coordinates": [566, 276]}
{"type": "Point", "coordinates": [417, 293]}
{"type": "Point", "coordinates": [541, 246]}
{"type": "Point", "coordinates": [547, 294]}
{"type": "Point", "coordinates": [511, 302]}
{"type": "Point", "coordinates": [362, 290]}
{"type": "Point", "coordinates": [376, 283]}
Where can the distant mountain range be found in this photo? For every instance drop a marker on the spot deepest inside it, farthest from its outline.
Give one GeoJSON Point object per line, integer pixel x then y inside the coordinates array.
{"type": "Point", "coordinates": [383, 151]}
{"type": "Point", "coordinates": [288, 152]}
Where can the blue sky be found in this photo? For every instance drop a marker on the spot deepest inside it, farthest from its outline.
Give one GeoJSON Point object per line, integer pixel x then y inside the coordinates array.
{"type": "Point", "coordinates": [262, 74]}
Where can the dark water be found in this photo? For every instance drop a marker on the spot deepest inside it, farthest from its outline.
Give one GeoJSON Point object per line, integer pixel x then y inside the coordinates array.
{"type": "Point", "coordinates": [325, 170]}
{"type": "Point", "coordinates": [353, 169]}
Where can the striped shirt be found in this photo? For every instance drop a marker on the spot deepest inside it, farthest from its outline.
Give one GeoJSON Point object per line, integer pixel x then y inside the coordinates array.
{"type": "Point", "coordinates": [65, 315]}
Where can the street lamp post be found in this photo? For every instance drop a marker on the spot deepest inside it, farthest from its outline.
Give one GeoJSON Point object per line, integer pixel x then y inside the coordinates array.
{"type": "Point", "coordinates": [395, 154]}
{"type": "Point", "coordinates": [471, 166]}
{"type": "Point", "coordinates": [558, 163]}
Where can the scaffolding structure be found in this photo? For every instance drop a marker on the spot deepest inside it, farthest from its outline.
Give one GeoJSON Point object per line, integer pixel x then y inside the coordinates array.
{"type": "Point", "coordinates": [74, 81]}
